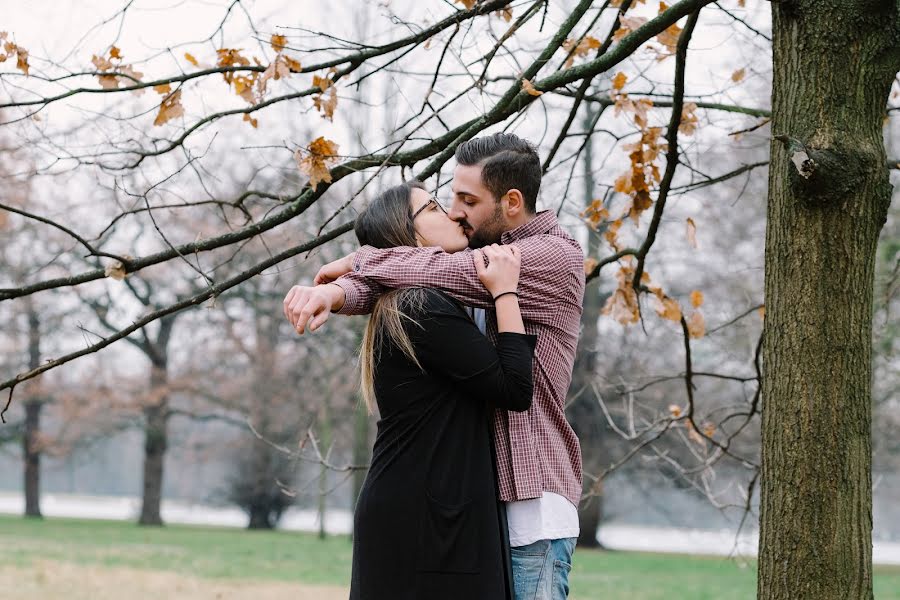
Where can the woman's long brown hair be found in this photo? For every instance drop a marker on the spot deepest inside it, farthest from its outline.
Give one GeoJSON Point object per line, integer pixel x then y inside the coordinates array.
{"type": "Point", "coordinates": [387, 223]}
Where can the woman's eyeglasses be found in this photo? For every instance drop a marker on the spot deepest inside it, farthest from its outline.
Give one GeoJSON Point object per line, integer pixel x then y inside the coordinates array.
{"type": "Point", "coordinates": [433, 201]}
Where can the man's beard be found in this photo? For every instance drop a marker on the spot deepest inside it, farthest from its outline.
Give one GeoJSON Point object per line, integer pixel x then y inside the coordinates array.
{"type": "Point", "coordinates": [489, 232]}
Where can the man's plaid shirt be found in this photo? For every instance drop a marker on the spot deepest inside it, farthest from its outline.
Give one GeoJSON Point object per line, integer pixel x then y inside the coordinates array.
{"type": "Point", "coordinates": [537, 450]}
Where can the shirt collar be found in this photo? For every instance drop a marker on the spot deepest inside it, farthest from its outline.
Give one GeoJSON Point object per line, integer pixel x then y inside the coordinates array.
{"type": "Point", "coordinates": [542, 222]}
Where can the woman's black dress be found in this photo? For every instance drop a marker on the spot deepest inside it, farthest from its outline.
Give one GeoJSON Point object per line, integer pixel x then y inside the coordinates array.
{"type": "Point", "coordinates": [428, 522]}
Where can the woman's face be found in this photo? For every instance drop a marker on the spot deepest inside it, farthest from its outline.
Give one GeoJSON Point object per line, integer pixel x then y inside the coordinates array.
{"type": "Point", "coordinates": [433, 226]}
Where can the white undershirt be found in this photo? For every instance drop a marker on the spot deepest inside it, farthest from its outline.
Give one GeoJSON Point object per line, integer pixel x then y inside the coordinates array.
{"type": "Point", "coordinates": [550, 517]}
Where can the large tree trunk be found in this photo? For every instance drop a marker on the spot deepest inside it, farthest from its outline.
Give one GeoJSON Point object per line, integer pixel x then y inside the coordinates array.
{"type": "Point", "coordinates": [834, 61]}
{"type": "Point", "coordinates": [156, 417]}
{"type": "Point", "coordinates": [30, 440]}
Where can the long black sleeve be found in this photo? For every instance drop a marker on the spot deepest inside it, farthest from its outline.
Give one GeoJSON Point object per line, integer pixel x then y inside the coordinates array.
{"type": "Point", "coordinates": [449, 344]}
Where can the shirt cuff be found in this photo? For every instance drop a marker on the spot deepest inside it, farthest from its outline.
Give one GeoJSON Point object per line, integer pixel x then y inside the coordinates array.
{"type": "Point", "coordinates": [351, 298]}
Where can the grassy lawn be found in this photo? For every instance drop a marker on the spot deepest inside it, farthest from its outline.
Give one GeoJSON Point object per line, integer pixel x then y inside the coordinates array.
{"type": "Point", "coordinates": [230, 554]}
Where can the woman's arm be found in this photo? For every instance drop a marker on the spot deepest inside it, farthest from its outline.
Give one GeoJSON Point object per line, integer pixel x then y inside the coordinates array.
{"type": "Point", "coordinates": [448, 344]}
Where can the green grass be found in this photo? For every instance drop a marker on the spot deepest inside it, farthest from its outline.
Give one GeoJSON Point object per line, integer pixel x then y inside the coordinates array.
{"type": "Point", "coordinates": [218, 553]}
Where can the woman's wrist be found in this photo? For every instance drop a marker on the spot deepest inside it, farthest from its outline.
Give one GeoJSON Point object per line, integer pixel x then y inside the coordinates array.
{"type": "Point", "coordinates": [501, 294]}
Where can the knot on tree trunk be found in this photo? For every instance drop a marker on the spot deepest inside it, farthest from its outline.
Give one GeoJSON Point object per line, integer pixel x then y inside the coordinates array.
{"type": "Point", "coordinates": [821, 177]}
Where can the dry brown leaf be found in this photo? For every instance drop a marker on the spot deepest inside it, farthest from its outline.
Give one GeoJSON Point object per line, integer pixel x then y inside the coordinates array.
{"type": "Point", "coordinates": [250, 120]}
{"type": "Point", "coordinates": [326, 103]}
{"type": "Point", "coordinates": [583, 47]}
{"type": "Point", "coordinates": [691, 233]}
{"type": "Point", "coordinates": [190, 58]}
{"type": "Point", "coordinates": [669, 309]}
{"type": "Point", "coordinates": [115, 270]}
{"type": "Point", "coordinates": [323, 83]}
{"type": "Point", "coordinates": [590, 263]}
{"type": "Point", "coordinates": [738, 75]}
{"type": "Point", "coordinates": [675, 410]}
{"type": "Point", "coordinates": [696, 298]}
{"type": "Point", "coordinates": [101, 63]}
{"type": "Point", "coordinates": [530, 89]}
{"type": "Point", "coordinates": [162, 89]}
{"type": "Point", "coordinates": [627, 25]}
{"type": "Point", "coordinates": [170, 108]}
{"type": "Point", "coordinates": [696, 325]}
{"type": "Point", "coordinates": [278, 42]}
{"type": "Point", "coordinates": [321, 153]}
{"type": "Point", "coordinates": [762, 312]}
{"type": "Point", "coordinates": [619, 80]}
{"type": "Point", "coordinates": [22, 59]}
{"type": "Point", "coordinates": [505, 14]}
{"type": "Point", "coordinates": [293, 65]}
{"type": "Point", "coordinates": [467, 3]}
{"type": "Point", "coordinates": [109, 82]}
{"type": "Point", "coordinates": [689, 119]}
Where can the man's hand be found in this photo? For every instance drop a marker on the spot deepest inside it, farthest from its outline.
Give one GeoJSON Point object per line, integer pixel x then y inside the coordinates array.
{"type": "Point", "coordinates": [304, 303]}
{"type": "Point", "coordinates": [335, 269]}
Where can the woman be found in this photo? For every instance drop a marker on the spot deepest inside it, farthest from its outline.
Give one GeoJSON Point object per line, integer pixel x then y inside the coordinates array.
{"type": "Point", "coordinates": [428, 522]}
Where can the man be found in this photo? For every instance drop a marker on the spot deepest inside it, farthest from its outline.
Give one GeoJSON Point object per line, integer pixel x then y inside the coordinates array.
{"type": "Point", "coordinates": [495, 188]}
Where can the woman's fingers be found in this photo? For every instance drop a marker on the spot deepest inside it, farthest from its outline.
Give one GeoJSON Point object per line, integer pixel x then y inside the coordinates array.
{"type": "Point", "coordinates": [478, 258]}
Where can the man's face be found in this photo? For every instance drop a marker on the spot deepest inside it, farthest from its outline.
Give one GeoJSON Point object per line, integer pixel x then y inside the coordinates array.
{"type": "Point", "coordinates": [475, 208]}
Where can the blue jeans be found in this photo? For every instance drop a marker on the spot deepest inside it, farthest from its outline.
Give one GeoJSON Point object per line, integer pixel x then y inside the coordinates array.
{"type": "Point", "coordinates": [541, 570]}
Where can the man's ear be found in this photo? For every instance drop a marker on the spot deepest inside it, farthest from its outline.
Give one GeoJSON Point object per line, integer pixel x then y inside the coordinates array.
{"type": "Point", "coordinates": [515, 203]}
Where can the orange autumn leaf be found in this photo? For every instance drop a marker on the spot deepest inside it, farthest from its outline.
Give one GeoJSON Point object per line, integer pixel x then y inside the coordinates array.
{"type": "Point", "coordinates": [619, 80]}
{"type": "Point", "coordinates": [691, 233]}
{"type": "Point", "coordinates": [278, 42]}
{"type": "Point", "coordinates": [190, 58]}
{"type": "Point", "coordinates": [590, 264]}
{"type": "Point", "coordinates": [668, 307]}
{"type": "Point", "coordinates": [762, 312]}
{"type": "Point", "coordinates": [675, 410]}
{"type": "Point", "coordinates": [627, 25]}
{"type": "Point", "coordinates": [170, 108]}
{"type": "Point", "coordinates": [250, 120]}
{"type": "Point", "coordinates": [321, 154]}
{"type": "Point", "coordinates": [467, 3]}
{"type": "Point", "coordinates": [292, 65]}
{"type": "Point", "coordinates": [326, 103]}
{"type": "Point", "coordinates": [623, 305]}
{"type": "Point", "coordinates": [696, 325]}
{"type": "Point", "coordinates": [323, 83]}
{"type": "Point", "coordinates": [530, 89]}
{"type": "Point", "coordinates": [115, 53]}
{"type": "Point", "coordinates": [689, 119]}
{"type": "Point", "coordinates": [738, 75]}
{"type": "Point", "coordinates": [580, 49]}
{"type": "Point", "coordinates": [505, 14]}
{"type": "Point", "coordinates": [696, 298]}
{"type": "Point", "coordinates": [162, 89]}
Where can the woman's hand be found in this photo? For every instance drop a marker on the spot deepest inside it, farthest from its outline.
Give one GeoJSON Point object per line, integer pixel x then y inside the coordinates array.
{"type": "Point", "coordinates": [502, 274]}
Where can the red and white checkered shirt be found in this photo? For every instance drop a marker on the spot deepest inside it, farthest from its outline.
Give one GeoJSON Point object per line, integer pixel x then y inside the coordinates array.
{"type": "Point", "coordinates": [537, 450]}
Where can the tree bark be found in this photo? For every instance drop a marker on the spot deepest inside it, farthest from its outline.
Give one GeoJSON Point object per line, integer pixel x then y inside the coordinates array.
{"type": "Point", "coordinates": [156, 417]}
{"type": "Point", "coordinates": [156, 420]}
{"type": "Point", "coordinates": [30, 440]}
{"type": "Point", "coordinates": [834, 61]}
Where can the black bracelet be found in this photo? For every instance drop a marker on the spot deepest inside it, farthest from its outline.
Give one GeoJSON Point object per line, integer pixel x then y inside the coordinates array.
{"type": "Point", "coordinates": [516, 294]}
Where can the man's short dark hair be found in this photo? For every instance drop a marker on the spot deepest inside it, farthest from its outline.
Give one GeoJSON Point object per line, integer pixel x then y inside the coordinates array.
{"type": "Point", "coordinates": [507, 161]}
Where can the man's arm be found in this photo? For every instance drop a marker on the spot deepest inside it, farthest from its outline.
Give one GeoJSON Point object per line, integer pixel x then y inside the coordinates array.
{"type": "Point", "coordinates": [550, 268]}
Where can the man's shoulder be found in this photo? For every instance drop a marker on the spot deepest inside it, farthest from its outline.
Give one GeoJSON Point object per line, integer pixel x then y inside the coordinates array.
{"type": "Point", "coordinates": [555, 244]}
